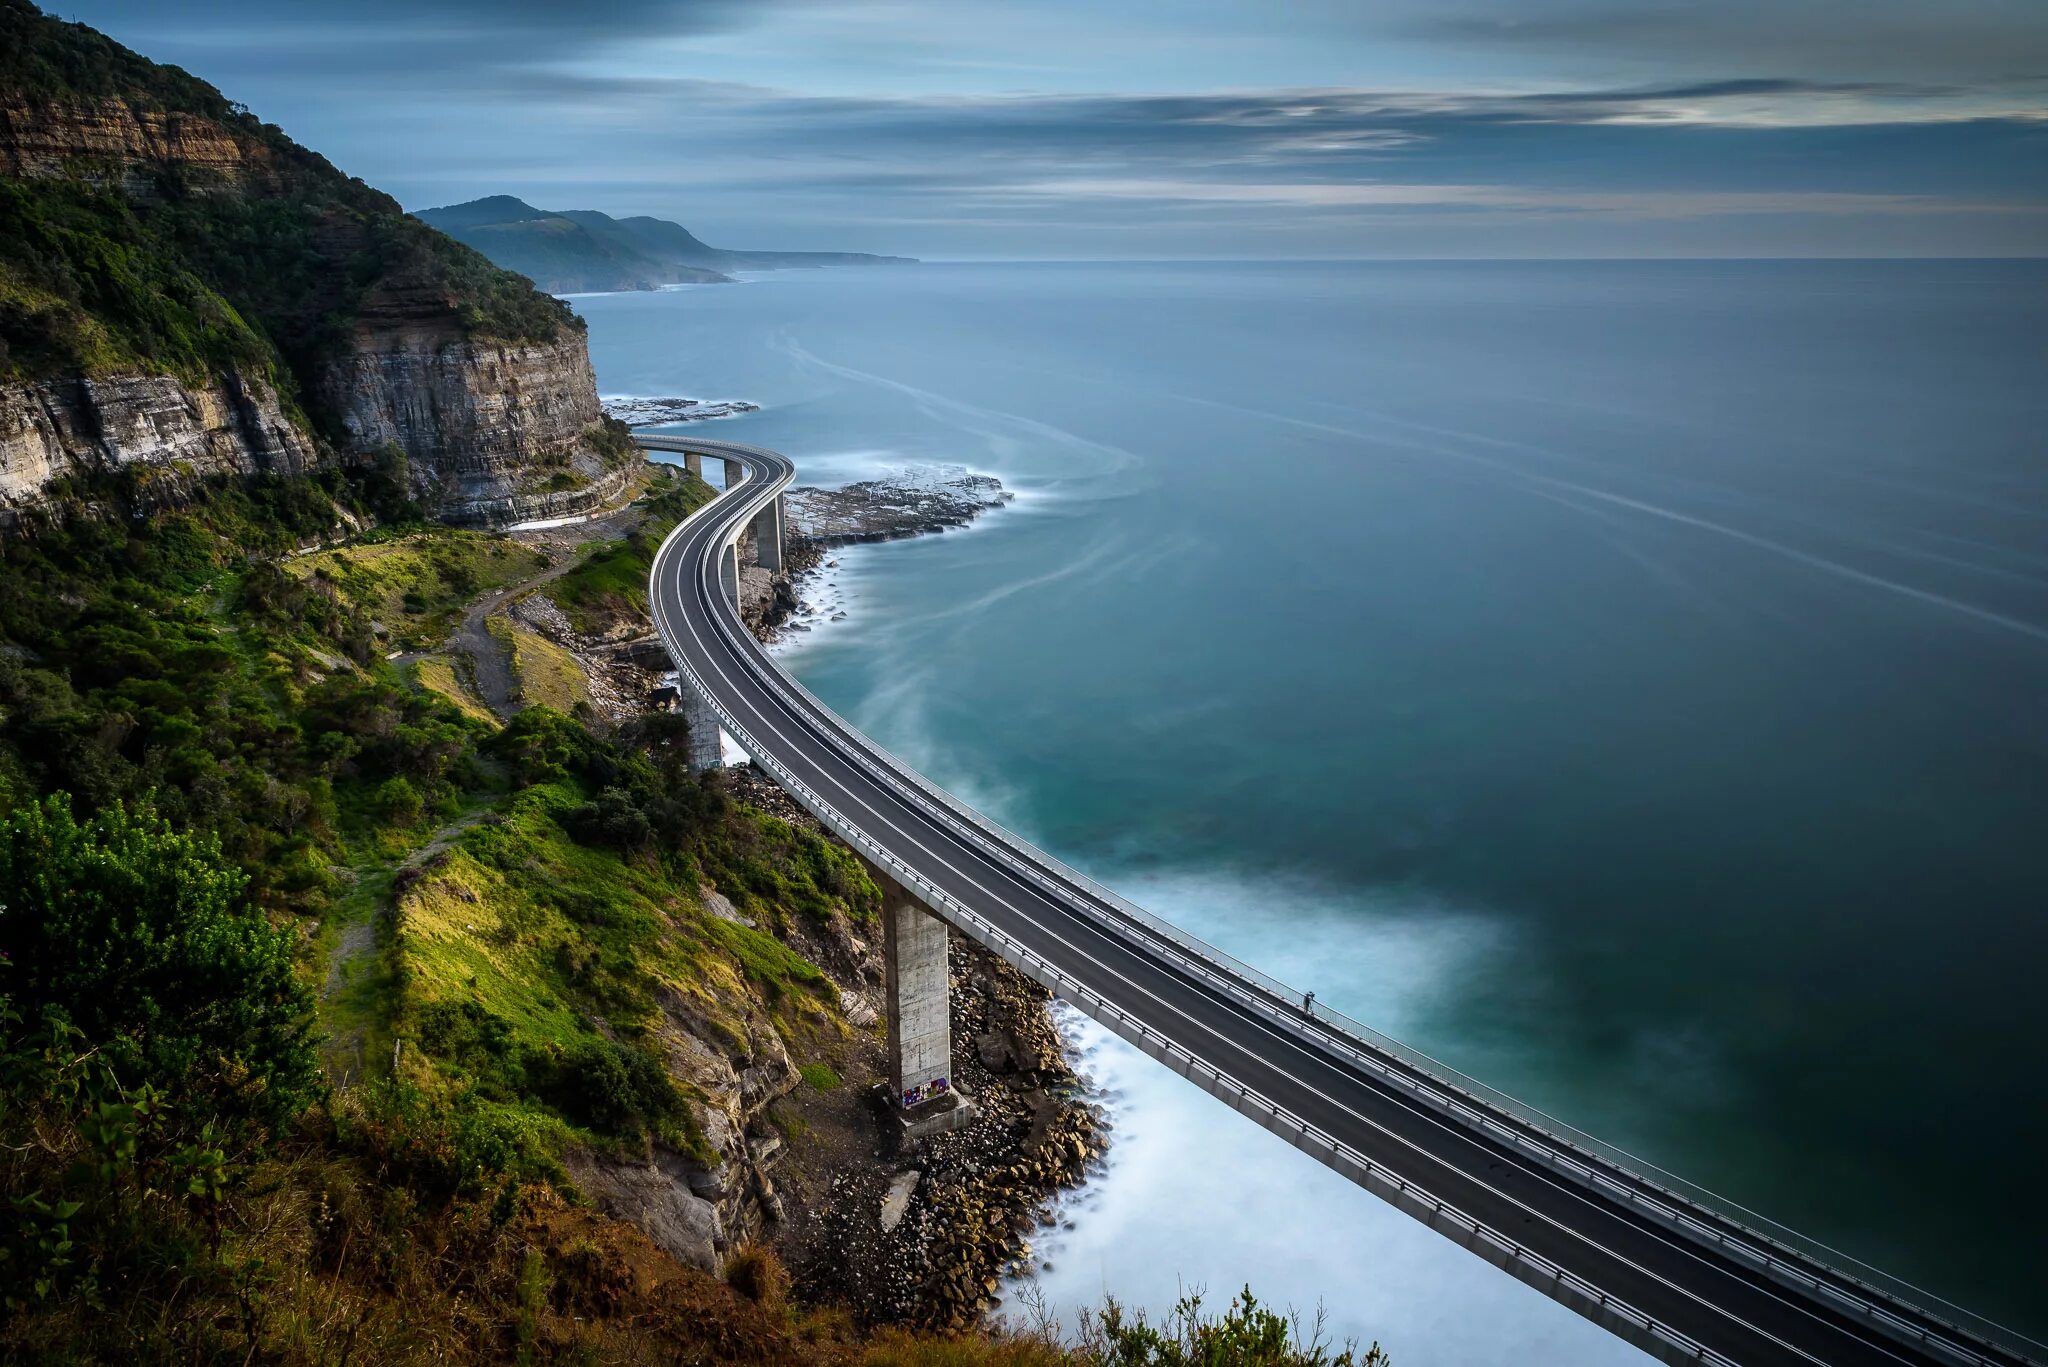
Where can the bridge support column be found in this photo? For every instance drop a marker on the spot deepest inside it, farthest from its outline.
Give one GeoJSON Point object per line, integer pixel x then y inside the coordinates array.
{"type": "Point", "coordinates": [920, 1020]}
{"type": "Point", "coordinates": [706, 739]}
{"type": "Point", "coordinates": [768, 535]}
{"type": "Point", "coordinates": [734, 473]}
{"type": "Point", "coordinates": [729, 573]}
{"type": "Point", "coordinates": [693, 463]}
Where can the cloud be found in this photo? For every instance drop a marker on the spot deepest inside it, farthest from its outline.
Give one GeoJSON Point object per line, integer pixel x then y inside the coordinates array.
{"type": "Point", "coordinates": [738, 119]}
{"type": "Point", "coordinates": [1961, 41]}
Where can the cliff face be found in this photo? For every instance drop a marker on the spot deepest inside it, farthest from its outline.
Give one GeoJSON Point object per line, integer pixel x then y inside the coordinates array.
{"type": "Point", "coordinates": [262, 311]}
{"type": "Point", "coordinates": [114, 142]}
{"type": "Point", "coordinates": [493, 432]}
{"type": "Point", "coordinates": [56, 428]}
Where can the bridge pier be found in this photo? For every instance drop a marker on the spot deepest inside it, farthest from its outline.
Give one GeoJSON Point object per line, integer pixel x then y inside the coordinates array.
{"type": "Point", "coordinates": [729, 573]}
{"type": "Point", "coordinates": [768, 535]}
{"type": "Point", "coordinates": [919, 987]}
{"type": "Point", "coordinates": [706, 738]}
{"type": "Point", "coordinates": [734, 473]}
{"type": "Point", "coordinates": [693, 463]}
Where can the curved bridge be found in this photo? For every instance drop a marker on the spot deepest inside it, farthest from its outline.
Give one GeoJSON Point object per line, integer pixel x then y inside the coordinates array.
{"type": "Point", "coordinates": [1666, 1266]}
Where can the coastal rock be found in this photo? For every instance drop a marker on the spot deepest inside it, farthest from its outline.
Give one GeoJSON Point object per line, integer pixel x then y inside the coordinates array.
{"type": "Point", "coordinates": [911, 503]}
{"type": "Point", "coordinates": [493, 434]}
{"type": "Point", "coordinates": [639, 412]}
{"type": "Point", "coordinates": [897, 1202]}
{"type": "Point", "coordinates": [402, 355]}
{"type": "Point", "coordinates": [119, 143]}
{"type": "Point", "coordinates": [657, 1196]}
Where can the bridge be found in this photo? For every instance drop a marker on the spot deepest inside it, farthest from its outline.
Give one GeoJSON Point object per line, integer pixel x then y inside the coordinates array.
{"type": "Point", "coordinates": [1667, 1266]}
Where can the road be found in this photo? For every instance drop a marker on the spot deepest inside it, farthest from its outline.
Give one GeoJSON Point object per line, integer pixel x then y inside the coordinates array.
{"type": "Point", "coordinates": [1682, 1279]}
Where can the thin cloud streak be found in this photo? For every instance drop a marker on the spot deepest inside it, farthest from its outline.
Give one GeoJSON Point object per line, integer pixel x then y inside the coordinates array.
{"type": "Point", "coordinates": [1487, 127]}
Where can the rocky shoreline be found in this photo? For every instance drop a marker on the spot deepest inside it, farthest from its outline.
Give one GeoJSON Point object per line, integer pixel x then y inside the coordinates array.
{"type": "Point", "coordinates": [638, 412]}
{"type": "Point", "coordinates": [916, 1236]}
{"type": "Point", "coordinates": [913, 503]}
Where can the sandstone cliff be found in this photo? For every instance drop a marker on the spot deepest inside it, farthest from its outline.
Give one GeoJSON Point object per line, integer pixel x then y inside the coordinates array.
{"type": "Point", "coordinates": [126, 423]}
{"type": "Point", "coordinates": [185, 291]}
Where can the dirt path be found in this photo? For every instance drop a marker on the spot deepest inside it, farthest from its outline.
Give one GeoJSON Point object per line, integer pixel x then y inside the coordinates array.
{"type": "Point", "coordinates": [490, 660]}
{"type": "Point", "coordinates": [360, 937]}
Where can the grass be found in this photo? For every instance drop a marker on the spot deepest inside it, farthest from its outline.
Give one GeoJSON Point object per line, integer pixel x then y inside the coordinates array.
{"type": "Point", "coordinates": [547, 673]}
{"type": "Point", "coordinates": [436, 674]}
{"type": "Point", "coordinates": [417, 585]}
{"type": "Point", "coordinates": [822, 1077]}
{"type": "Point", "coordinates": [611, 581]}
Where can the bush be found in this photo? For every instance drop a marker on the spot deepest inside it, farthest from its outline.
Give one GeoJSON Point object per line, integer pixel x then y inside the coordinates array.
{"type": "Point", "coordinates": [1248, 1334]}
{"type": "Point", "coordinates": [397, 802]}
{"type": "Point", "coordinates": [142, 939]}
{"type": "Point", "coordinates": [616, 1090]}
{"type": "Point", "coordinates": [756, 1273]}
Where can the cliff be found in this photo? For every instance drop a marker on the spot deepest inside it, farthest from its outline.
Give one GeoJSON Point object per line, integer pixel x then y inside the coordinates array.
{"type": "Point", "coordinates": [581, 249]}
{"type": "Point", "coordinates": [187, 293]}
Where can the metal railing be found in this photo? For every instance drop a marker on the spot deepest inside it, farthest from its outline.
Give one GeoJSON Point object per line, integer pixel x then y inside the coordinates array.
{"type": "Point", "coordinates": [1776, 1249]}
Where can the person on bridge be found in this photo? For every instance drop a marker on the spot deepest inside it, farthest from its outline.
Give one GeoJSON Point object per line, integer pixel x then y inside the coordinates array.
{"type": "Point", "coordinates": [1308, 1002]}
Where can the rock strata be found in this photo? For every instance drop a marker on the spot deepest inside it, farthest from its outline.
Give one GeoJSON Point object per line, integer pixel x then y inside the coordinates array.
{"type": "Point", "coordinates": [391, 339]}
{"type": "Point", "coordinates": [142, 425]}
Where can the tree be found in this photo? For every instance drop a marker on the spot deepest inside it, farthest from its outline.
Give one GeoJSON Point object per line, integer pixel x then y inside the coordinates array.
{"type": "Point", "coordinates": [144, 940]}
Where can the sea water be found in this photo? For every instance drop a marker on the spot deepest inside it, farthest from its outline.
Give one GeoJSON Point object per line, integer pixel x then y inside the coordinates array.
{"type": "Point", "coordinates": [1624, 681]}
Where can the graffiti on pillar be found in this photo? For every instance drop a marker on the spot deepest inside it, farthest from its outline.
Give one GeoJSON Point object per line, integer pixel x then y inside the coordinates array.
{"type": "Point", "coordinates": [923, 1092]}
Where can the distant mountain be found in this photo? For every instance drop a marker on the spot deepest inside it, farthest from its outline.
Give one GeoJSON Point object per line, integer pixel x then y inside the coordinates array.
{"type": "Point", "coordinates": [558, 252]}
{"type": "Point", "coordinates": [581, 249]}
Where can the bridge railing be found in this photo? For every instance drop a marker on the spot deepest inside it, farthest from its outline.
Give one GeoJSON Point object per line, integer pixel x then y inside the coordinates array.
{"type": "Point", "coordinates": [1784, 1253]}
{"type": "Point", "coordinates": [1618, 1316]}
{"type": "Point", "coordinates": [1780, 1250]}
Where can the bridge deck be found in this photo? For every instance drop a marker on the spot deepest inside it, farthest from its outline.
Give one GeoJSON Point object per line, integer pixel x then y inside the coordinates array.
{"type": "Point", "coordinates": [1690, 1288]}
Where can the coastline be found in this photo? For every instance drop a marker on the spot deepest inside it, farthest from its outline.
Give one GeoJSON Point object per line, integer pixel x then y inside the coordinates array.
{"type": "Point", "coordinates": [928, 1236]}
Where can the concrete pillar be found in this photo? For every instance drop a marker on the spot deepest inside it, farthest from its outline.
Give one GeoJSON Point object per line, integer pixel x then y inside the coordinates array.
{"type": "Point", "coordinates": [920, 1024]}
{"type": "Point", "coordinates": [734, 473]}
{"type": "Point", "coordinates": [706, 747]}
{"type": "Point", "coordinates": [694, 463]}
{"type": "Point", "coordinates": [729, 573]}
{"type": "Point", "coordinates": [768, 535]}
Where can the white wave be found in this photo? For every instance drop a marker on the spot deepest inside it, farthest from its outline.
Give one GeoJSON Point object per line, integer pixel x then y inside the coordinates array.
{"type": "Point", "coordinates": [1194, 1195]}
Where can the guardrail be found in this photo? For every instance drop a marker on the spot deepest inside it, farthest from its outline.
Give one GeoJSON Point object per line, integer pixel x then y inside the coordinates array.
{"type": "Point", "coordinates": [1770, 1247]}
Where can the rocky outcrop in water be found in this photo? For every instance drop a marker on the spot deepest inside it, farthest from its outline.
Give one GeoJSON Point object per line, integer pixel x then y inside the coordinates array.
{"type": "Point", "coordinates": [909, 503]}
{"type": "Point", "coordinates": [638, 412]}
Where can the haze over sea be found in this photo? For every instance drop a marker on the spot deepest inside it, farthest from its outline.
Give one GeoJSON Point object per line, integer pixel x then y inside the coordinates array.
{"type": "Point", "coordinates": [1623, 681]}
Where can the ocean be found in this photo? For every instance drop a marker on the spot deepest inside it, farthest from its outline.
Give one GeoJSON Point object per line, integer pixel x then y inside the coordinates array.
{"type": "Point", "coordinates": [1624, 681]}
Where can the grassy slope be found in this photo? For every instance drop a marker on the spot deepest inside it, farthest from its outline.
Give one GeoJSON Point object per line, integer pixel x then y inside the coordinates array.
{"type": "Point", "coordinates": [417, 584]}
{"type": "Point", "coordinates": [611, 581]}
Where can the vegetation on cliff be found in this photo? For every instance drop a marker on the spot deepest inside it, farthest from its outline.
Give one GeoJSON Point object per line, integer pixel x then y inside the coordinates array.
{"type": "Point", "coordinates": [217, 793]}
{"type": "Point", "coordinates": [172, 268]}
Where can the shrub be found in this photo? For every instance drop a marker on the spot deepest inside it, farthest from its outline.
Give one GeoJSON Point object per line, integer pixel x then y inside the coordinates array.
{"type": "Point", "coordinates": [616, 1090]}
{"type": "Point", "coordinates": [398, 802]}
{"type": "Point", "coordinates": [756, 1273]}
{"type": "Point", "coordinates": [142, 938]}
{"type": "Point", "coordinates": [1247, 1333]}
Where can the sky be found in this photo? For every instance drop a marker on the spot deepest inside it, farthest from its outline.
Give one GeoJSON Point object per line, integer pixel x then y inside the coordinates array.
{"type": "Point", "coordinates": [1175, 128]}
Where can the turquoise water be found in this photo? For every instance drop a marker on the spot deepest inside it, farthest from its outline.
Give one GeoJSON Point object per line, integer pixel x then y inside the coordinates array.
{"type": "Point", "coordinates": [1623, 680]}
